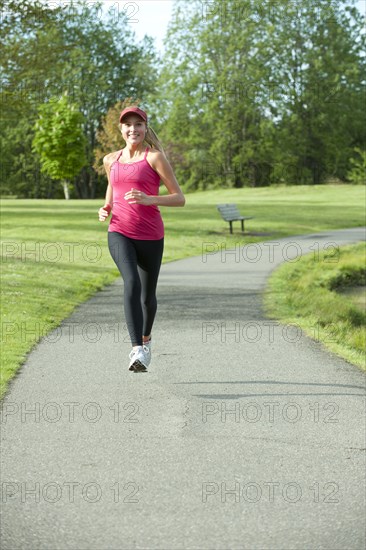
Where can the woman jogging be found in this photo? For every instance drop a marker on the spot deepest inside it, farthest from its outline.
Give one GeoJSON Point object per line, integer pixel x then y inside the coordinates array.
{"type": "Point", "coordinates": [136, 229]}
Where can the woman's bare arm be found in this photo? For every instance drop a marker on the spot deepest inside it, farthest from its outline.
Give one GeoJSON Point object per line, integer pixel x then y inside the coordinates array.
{"type": "Point", "coordinates": [160, 164]}
{"type": "Point", "coordinates": [106, 209]}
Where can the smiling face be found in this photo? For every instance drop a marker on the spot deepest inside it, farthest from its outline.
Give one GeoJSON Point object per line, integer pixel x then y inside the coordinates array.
{"type": "Point", "coordinates": [133, 129]}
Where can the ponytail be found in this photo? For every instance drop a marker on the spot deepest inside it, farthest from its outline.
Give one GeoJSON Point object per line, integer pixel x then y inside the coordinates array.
{"type": "Point", "coordinates": [152, 139]}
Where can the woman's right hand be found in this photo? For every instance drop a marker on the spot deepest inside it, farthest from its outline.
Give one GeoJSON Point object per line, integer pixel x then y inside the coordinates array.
{"type": "Point", "coordinates": [104, 212]}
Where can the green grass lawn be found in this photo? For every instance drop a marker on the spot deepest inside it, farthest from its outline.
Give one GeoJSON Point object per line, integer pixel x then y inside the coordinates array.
{"type": "Point", "coordinates": [55, 254]}
{"type": "Point", "coordinates": [357, 295]}
{"type": "Point", "coordinates": [314, 294]}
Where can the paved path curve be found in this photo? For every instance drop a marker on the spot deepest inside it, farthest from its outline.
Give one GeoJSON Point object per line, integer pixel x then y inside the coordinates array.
{"type": "Point", "coordinates": [245, 434]}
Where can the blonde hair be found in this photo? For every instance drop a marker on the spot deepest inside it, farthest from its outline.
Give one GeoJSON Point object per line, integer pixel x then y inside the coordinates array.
{"type": "Point", "coordinates": [150, 139]}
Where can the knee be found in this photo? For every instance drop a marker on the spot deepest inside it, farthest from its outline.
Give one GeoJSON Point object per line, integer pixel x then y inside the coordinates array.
{"type": "Point", "coordinates": [132, 286]}
{"type": "Point", "coordinates": [149, 302]}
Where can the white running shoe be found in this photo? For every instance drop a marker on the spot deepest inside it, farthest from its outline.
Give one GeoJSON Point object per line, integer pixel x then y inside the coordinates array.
{"type": "Point", "coordinates": [147, 350]}
{"type": "Point", "coordinates": [138, 360]}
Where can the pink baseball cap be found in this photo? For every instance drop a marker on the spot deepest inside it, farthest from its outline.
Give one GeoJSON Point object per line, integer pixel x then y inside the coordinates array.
{"type": "Point", "coordinates": [135, 110]}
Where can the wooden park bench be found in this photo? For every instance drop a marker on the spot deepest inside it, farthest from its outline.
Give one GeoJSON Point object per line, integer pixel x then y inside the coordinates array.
{"type": "Point", "coordinates": [230, 213]}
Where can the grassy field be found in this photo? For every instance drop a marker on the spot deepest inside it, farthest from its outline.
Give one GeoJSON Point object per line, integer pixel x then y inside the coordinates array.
{"type": "Point", "coordinates": [55, 254]}
{"type": "Point", "coordinates": [315, 293]}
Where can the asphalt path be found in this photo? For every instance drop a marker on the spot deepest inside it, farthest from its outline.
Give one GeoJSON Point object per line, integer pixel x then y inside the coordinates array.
{"type": "Point", "coordinates": [244, 434]}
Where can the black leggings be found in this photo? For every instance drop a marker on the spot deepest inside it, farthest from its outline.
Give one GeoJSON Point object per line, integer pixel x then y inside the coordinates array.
{"type": "Point", "coordinates": [139, 264]}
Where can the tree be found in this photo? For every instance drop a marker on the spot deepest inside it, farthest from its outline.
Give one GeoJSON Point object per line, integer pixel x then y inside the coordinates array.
{"type": "Point", "coordinates": [357, 174]}
{"type": "Point", "coordinates": [92, 55]}
{"type": "Point", "coordinates": [59, 140]}
{"type": "Point", "coordinates": [256, 93]}
{"type": "Point", "coordinates": [320, 71]}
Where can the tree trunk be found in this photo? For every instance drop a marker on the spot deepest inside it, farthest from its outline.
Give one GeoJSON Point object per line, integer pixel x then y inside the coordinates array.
{"type": "Point", "coordinates": [65, 186]}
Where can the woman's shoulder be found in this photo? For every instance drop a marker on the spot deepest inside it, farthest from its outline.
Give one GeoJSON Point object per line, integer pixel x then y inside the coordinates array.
{"type": "Point", "coordinates": [155, 158]}
{"type": "Point", "coordinates": [110, 157]}
{"type": "Point", "coordinates": [153, 151]}
{"type": "Point", "coordinates": [155, 155]}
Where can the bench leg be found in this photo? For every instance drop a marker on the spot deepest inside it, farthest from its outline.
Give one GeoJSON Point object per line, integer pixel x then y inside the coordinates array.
{"type": "Point", "coordinates": [231, 227]}
{"type": "Point", "coordinates": [242, 226]}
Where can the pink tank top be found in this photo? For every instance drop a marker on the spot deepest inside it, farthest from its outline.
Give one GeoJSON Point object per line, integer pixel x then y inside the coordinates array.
{"type": "Point", "coordinates": [136, 221]}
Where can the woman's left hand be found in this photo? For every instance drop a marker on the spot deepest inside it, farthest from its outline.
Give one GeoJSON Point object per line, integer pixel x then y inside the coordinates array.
{"type": "Point", "coordinates": [135, 196]}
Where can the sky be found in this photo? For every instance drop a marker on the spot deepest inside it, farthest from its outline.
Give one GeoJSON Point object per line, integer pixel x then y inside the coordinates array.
{"type": "Point", "coordinates": [152, 16]}
{"type": "Point", "coordinates": [149, 17]}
